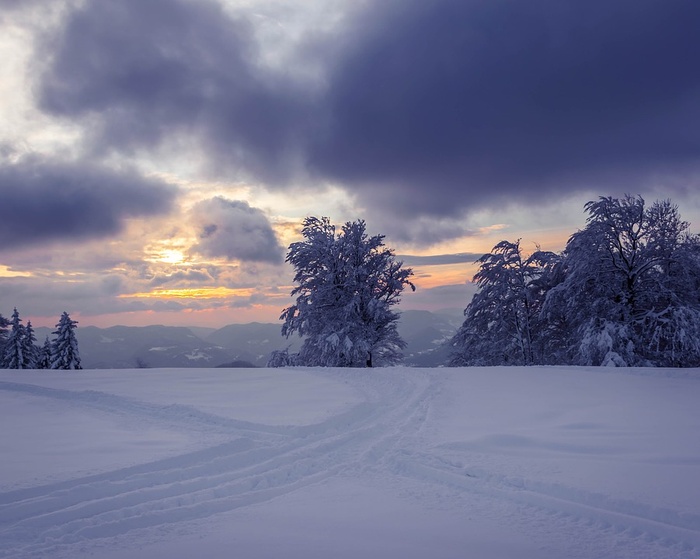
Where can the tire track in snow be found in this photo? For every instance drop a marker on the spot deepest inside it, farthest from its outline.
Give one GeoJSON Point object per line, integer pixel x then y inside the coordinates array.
{"type": "Point", "coordinates": [170, 415]}
{"type": "Point", "coordinates": [381, 437]}
{"type": "Point", "coordinates": [50, 519]}
{"type": "Point", "coordinates": [668, 528]}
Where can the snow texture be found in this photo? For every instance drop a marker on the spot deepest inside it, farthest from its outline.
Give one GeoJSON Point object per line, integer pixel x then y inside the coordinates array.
{"type": "Point", "coordinates": [536, 462]}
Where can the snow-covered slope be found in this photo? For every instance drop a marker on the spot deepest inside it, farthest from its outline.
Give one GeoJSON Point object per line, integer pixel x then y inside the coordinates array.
{"type": "Point", "coordinates": [411, 463]}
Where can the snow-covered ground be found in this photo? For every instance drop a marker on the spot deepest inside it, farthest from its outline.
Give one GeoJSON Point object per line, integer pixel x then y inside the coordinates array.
{"type": "Point", "coordinates": [319, 463]}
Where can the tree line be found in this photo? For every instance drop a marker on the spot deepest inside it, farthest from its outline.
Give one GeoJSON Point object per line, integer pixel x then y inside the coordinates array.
{"type": "Point", "coordinates": [18, 348]}
{"type": "Point", "coordinates": [624, 292]}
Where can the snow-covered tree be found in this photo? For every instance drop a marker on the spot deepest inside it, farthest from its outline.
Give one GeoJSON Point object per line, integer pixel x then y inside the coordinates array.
{"type": "Point", "coordinates": [30, 352]}
{"type": "Point", "coordinates": [64, 350]}
{"type": "Point", "coordinates": [347, 285]}
{"type": "Point", "coordinates": [625, 292]}
{"type": "Point", "coordinates": [44, 358]}
{"type": "Point", "coordinates": [13, 352]}
{"type": "Point", "coordinates": [281, 358]}
{"type": "Point", "coordinates": [4, 324]}
{"type": "Point", "coordinates": [502, 324]}
{"type": "Point", "coordinates": [630, 292]}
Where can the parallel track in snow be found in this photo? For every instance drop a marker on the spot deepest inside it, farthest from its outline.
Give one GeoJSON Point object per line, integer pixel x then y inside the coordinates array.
{"type": "Point", "coordinates": [47, 520]}
{"type": "Point", "coordinates": [380, 437]}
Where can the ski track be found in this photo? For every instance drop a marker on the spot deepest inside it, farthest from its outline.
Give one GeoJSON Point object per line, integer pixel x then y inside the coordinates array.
{"type": "Point", "coordinates": [382, 437]}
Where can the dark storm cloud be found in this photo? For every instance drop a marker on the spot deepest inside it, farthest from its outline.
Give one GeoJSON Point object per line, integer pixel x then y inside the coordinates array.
{"type": "Point", "coordinates": [45, 200]}
{"type": "Point", "coordinates": [428, 108]}
{"type": "Point", "coordinates": [442, 105]}
{"type": "Point", "coordinates": [141, 72]}
{"type": "Point", "coordinates": [182, 277]}
{"type": "Point", "coordinates": [234, 230]}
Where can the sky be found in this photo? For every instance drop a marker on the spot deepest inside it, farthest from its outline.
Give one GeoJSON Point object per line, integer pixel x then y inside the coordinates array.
{"type": "Point", "coordinates": [157, 157]}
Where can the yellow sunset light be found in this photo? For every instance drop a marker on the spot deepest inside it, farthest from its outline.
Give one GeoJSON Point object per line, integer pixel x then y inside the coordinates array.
{"type": "Point", "coordinates": [192, 293]}
{"type": "Point", "coordinates": [6, 272]}
{"type": "Point", "coordinates": [170, 256]}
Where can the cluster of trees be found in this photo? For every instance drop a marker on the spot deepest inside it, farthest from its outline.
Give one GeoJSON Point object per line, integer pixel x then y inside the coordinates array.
{"type": "Point", "coordinates": [624, 292]}
{"type": "Point", "coordinates": [348, 283]}
{"type": "Point", "coordinates": [18, 349]}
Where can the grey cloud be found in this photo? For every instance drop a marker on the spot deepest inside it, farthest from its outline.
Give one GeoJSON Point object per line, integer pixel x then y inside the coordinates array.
{"type": "Point", "coordinates": [169, 306]}
{"type": "Point", "coordinates": [182, 277]}
{"type": "Point", "coordinates": [234, 230]}
{"type": "Point", "coordinates": [439, 259]}
{"type": "Point", "coordinates": [36, 296]}
{"type": "Point", "coordinates": [440, 298]}
{"type": "Point", "coordinates": [112, 285]}
{"type": "Point", "coordinates": [141, 71]}
{"type": "Point", "coordinates": [447, 105]}
{"type": "Point", "coordinates": [16, 4]}
{"type": "Point", "coordinates": [44, 200]}
{"type": "Point", "coordinates": [429, 109]}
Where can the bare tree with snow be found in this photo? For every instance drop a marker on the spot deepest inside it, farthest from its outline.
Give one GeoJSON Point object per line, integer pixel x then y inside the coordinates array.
{"type": "Point", "coordinates": [502, 324]}
{"type": "Point", "coordinates": [625, 292]}
{"type": "Point", "coordinates": [631, 288]}
{"type": "Point", "coordinates": [348, 283]}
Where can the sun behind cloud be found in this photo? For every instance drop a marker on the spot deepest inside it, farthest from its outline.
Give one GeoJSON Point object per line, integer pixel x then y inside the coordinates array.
{"type": "Point", "coordinates": [170, 256]}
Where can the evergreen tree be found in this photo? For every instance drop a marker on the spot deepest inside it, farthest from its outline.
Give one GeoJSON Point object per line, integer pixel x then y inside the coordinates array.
{"type": "Point", "coordinates": [64, 350]}
{"type": "Point", "coordinates": [4, 324]}
{"type": "Point", "coordinates": [30, 352]}
{"type": "Point", "coordinates": [44, 360]}
{"type": "Point", "coordinates": [347, 285]}
{"type": "Point", "coordinates": [13, 352]}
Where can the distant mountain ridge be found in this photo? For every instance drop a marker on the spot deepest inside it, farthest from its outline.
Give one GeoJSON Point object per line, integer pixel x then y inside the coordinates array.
{"type": "Point", "coordinates": [235, 345]}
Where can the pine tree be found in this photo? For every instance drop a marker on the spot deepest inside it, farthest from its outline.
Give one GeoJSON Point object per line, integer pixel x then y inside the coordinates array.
{"type": "Point", "coordinates": [13, 353]}
{"type": "Point", "coordinates": [347, 285]}
{"type": "Point", "coordinates": [64, 350]}
{"type": "Point", "coordinates": [30, 352]}
{"type": "Point", "coordinates": [44, 360]}
{"type": "Point", "coordinates": [4, 324]}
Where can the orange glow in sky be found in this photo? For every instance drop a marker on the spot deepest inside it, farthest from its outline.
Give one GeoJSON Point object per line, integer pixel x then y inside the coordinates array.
{"type": "Point", "coordinates": [192, 293]}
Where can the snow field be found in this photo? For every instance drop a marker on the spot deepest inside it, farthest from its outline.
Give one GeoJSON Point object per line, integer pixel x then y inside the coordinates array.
{"type": "Point", "coordinates": [485, 462]}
